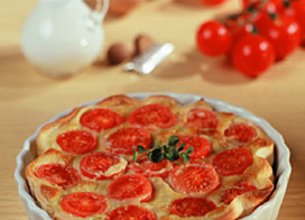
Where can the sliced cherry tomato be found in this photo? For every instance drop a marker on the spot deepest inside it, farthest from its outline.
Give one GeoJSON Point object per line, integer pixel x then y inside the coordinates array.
{"type": "Point", "coordinates": [233, 162]}
{"type": "Point", "coordinates": [213, 38]}
{"type": "Point", "coordinates": [283, 33]}
{"type": "Point", "coordinates": [252, 55]}
{"type": "Point", "coordinates": [151, 169]}
{"type": "Point", "coordinates": [101, 119]}
{"type": "Point", "coordinates": [201, 146]}
{"type": "Point", "coordinates": [131, 212]}
{"type": "Point", "coordinates": [194, 178]}
{"type": "Point", "coordinates": [230, 194]}
{"type": "Point", "coordinates": [241, 132]}
{"type": "Point", "coordinates": [202, 120]}
{"type": "Point", "coordinates": [98, 166]}
{"type": "Point", "coordinates": [125, 140]}
{"type": "Point", "coordinates": [83, 204]}
{"type": "Point", "coordinates": [48, 191]}
{"type": "Point", "coordinates": [58, 174]}
{"type": "Point", "coordinates": [153, 114]}
{"type": "Point", "coordinates": [77, 142]}
{"type": "Point", "coordinates": [212, 2]}
{"type": "Point", "coordinates": [131, 186]}
{"type": "Point", "coordinates": [191, 207]}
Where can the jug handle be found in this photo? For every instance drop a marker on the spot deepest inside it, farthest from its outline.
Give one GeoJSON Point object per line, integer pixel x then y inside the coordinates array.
{"type": "Point", "coordinates": [99, 15]}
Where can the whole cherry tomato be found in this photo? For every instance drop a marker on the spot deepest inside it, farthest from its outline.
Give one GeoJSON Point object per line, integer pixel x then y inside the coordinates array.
{"type": "Point", "coordinates": [213, 38]}
{"type": "Point", "coordinates": [252, 55]}
{"type": "Point", "coordinates": [297, 11]}
{"type": "Point", "coordinates": [241, 31]}
{"type": "Point", "coordinates": [283, 33]}
{"type": "Point", "coordinates": [299, 7]}
{"type": "Point", "coordinates": [212, 2]}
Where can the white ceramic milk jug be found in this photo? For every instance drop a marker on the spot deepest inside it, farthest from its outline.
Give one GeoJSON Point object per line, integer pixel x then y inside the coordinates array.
{"type": "Point", "coordinates": [63, 36]}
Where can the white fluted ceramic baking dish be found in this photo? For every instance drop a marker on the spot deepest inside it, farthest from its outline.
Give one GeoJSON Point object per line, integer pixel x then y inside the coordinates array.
{"type": "Point", "coordinates": [267, 211]}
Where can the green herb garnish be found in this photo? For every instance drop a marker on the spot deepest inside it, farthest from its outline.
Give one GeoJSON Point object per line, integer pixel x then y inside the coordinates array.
{"type": "Point", "coordinates": [140, 149]}
{"type": "Point", "coordinates": [189, 150]}
{"type": "Point", "coordinates": [156, 155]}
{"type": "Point", "coordinates": [185, 157]}
{"type": "Point", "coordinates": [170, 152]}
{"type": "Point", "coordinates": [181, 147]}
{"type": "Point", "coordinates": [135, 155]}
{"type": "Point", "coordinates": [173, 140]}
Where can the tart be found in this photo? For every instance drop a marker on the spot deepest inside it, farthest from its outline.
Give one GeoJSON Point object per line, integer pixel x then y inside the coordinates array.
{"type": "Point", "coordinates": [125, 158]}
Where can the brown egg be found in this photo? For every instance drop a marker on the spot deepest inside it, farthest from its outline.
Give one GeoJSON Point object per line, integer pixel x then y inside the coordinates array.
{"type": "Point", "coordinates": [118, 53]}
{"type": "Point", "coordinates": [142, 44]}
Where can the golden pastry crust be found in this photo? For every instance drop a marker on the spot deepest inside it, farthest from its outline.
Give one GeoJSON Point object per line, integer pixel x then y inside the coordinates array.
{"type": "Point", "coordinates": [258, 175]}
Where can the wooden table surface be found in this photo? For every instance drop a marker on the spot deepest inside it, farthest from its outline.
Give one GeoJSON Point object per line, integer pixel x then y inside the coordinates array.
{"type": "Point", "coordinates": [28, 98]}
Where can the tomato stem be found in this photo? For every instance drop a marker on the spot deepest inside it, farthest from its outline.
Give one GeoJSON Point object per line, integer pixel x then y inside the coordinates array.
{"type": "Point", "coordinates": [253, 9]}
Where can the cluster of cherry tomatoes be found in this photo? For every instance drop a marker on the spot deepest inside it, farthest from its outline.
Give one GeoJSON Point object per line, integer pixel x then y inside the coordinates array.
{"type": "Point", "coordinates": [265, 31]}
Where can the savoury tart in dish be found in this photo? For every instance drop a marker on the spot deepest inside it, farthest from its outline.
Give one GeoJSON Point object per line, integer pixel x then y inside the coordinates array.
{"type": "Point", "coordinates": [125, 158]}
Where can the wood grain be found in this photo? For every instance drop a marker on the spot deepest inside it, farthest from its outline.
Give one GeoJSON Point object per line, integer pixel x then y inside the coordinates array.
{"type": "Point", "coordinates": [28, 98]}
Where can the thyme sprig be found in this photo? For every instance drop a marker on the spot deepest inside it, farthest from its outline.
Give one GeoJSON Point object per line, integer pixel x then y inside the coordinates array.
{"type": "Point", "coordinates": [170, 151]}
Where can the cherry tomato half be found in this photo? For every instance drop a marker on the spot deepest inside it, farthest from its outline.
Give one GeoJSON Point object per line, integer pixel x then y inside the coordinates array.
{"type": "Point", "coordinates": [153, 115]}
{"type": "Point", "coordinates": [233, 161]}
{"type": "Point", "coordinates": [100, 119]}
{"type": "Point", "coordinates": [131, 212]}
{"type": "Point", "coordinates": [125, 140]}
{"type": "Point", "coordinates": [238, 189]}
{"type": "Point", "coordinates": [83, 204]}
{"type": "Point", "coordinates": [58, 174]}
{"type": "Point", "coordinates": [191, 207]}
{"type": "Point", "coordinates": [99, 165]}
{"type": "Point", "coordinates": [131, 186]}
{"type": "Point", "coordinates": [77, 141]}
{"type": "Point", "coordinates": [241, 132]}
{"type": "Point", "coordinates": [201, 179]}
